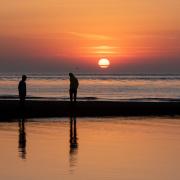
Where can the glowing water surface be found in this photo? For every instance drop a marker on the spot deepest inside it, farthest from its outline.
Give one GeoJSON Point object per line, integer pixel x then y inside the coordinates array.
{"type": "Point", "coordinates": [131, 148]}
{"type": "Point", "coordinates": [98, 87]}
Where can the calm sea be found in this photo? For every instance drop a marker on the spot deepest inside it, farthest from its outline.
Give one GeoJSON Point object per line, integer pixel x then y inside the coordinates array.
{"type": "Point", "coordinates": [96, 87]}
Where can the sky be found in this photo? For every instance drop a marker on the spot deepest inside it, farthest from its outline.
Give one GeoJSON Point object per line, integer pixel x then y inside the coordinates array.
{"type": "Point", "coordinates": [59, 36]}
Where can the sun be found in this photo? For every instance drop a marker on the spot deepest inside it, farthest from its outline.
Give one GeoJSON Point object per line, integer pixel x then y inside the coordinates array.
{"type": "Point", "coordinates": [103, 63]}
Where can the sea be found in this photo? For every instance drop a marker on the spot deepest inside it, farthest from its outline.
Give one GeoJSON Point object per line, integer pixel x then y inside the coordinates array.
{"type": "Point", "coordinates": [99, 87]}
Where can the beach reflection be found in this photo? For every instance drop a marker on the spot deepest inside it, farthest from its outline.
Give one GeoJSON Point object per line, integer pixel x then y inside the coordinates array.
{"type": "Point", "coordinates": [22, 139]}
{"type": "Point", "coordinates": [73, 142]}
{"type": "Point", "coordinates": [142, 148]}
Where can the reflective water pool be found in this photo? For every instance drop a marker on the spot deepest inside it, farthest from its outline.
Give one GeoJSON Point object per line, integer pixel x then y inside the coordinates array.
{"type": "Point", "coordinates": [131, 148]}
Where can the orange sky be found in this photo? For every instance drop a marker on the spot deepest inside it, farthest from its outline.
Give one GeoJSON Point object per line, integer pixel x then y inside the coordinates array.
{"type": "Point", "coordinates": [80, 32]}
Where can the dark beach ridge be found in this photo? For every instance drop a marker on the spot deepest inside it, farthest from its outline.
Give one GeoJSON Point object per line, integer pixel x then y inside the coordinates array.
{"type": "Point", "coordinates": [9, 109]}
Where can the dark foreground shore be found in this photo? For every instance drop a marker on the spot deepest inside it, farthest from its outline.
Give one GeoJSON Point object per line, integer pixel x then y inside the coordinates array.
{"type": "Point", "coordinates": [9, 109]}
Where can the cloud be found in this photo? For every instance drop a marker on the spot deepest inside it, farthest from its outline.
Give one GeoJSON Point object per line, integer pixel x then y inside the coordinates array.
{"type": "Point", "coordinates": [171, 35]}
{"type": "Point", "coordinates": [90, 36]}
{"type": "Point", "coordinates": [104, 49]}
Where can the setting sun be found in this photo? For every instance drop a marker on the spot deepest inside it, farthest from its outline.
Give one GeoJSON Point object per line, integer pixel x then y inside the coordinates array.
{"type": "Point", "coordinates": [104, 63]}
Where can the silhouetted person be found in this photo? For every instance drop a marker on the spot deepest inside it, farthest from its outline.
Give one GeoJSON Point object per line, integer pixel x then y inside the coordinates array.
{"type": "Point", "coordinates": [73, 87]}
{"type": "Point", "coordinates": [22, 90]}
{"type": "Point", "coordinates": [22, 139]}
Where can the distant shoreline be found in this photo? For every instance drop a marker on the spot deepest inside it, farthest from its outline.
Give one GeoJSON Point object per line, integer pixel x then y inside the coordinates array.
{"type": "Point", "coordinates": [88, 98]}
{"type": "Point", "coordinates": [9, 109]}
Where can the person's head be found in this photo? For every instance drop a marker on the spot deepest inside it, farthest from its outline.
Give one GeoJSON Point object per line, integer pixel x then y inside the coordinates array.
{"type": "Point", "coordinates": [24, 77]}
{"type": "Point", "coordinates": [71, 75]}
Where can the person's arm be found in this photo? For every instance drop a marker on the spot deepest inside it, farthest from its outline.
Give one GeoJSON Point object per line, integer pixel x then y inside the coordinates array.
{"type": "Point", "coordinates": [25, 89]}
{"type": "Point", "coordinates": [77, 82]}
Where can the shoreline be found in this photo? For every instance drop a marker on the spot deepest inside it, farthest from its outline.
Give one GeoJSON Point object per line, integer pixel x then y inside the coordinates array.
{"type": "Point", "coordinates": [89, 98]}
{"type": "Point", "coordinates": [9, 109]}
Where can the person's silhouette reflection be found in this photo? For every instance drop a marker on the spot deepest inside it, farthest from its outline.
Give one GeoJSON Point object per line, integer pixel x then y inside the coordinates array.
{"type": "Point", "coordinates": [73, 141]}
{"type": "Point", "coordinates": [22, 139]}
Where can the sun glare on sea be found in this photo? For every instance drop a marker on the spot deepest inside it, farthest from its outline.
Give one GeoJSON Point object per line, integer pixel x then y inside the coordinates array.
{"type": "Point", "coordinates": [103, 63]}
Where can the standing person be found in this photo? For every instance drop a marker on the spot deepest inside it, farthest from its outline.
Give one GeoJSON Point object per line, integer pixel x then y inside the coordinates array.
{"type": "Point", "coordinates": [73, 87]}
{"type": "Point", "coordinates": [22, 90]}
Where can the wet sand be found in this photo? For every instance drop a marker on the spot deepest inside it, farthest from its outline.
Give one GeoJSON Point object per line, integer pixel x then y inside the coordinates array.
{"type": "Point", "coordinates": [9, 109]}
{"type": "Point", "coordinates": [102, 148]}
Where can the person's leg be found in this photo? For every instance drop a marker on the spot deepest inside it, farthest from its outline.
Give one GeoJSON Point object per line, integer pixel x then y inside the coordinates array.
{"type": "Point", "coordinates": [22, 101]}
{"type": "Point", "coordinates": [71, 95]}
{"type": "Point", "coordinates": [75, 95]}
{"type": "Point", "coordinates": [22, 106]}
